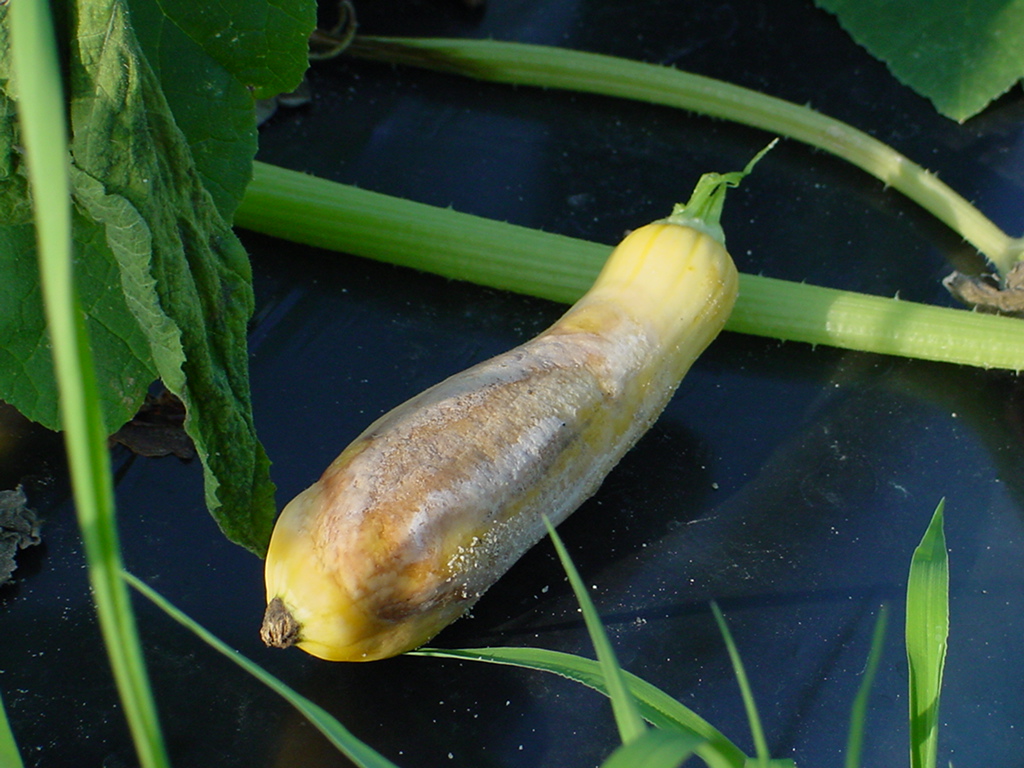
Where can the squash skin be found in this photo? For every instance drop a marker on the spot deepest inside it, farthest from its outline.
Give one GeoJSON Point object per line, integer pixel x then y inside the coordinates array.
{"type": "Point", "coordinates": [435, 500]}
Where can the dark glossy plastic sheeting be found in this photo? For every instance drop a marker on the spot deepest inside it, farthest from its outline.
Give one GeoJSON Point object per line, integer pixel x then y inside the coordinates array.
{"type": "Point", "coordinates": [791, 484]}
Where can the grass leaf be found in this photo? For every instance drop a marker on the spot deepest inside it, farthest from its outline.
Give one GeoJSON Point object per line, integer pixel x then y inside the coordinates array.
{"type": "Point", "coordinates": [927, 632]}
{"type": "Point", "coordinates": [760, 745]}
{"type": "Point", "coordinates": [655, 706]}
{"type": "Point", "coordinates": [358, 752]}
{"type": "Point", "coordinates": [9, 756]}
{"type": "Point", "coordinates": [858, 712]}
{"type": "Point", "coordinates": [627, 716]}
{"type": "Point", "coordinates": [43, 130]}
{"type": "Point", "coordinates": [654, 749]}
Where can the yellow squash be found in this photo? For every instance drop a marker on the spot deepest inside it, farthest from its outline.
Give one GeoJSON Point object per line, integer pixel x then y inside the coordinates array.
{"type": "Point", "coordinates": [429, 506]}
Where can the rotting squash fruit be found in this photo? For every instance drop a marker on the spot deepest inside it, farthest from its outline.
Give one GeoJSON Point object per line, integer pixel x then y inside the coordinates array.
{"type": "Point", "coordinates": [429, 506]}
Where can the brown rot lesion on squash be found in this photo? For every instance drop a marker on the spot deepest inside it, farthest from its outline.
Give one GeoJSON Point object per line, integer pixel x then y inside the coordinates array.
{"type": "Point", "coordinates": [280, 629]}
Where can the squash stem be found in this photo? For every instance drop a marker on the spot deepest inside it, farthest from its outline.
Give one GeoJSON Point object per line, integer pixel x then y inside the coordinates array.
{"type": "Point", "coordinates": [703, 211]}
{"type": "Point", "coordinates": [551, 67]}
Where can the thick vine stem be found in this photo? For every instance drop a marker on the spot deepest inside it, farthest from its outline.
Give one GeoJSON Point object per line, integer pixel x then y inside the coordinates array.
{"type": "Point", "coordinates": [306, 209]}
{"type": "Point", "coordinates": [550, 67]}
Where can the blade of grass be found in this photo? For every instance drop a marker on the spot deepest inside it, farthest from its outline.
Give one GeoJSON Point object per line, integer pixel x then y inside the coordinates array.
{"type": "Point", "coordinates": [44, 133]}
{"type": "Point", "coordinates": [325, 214]}
{"type": "Point", "coordinates": [760, 745]}
{"type": "Point", "coordinates": [356, 751]}
{"type": "Point", "coordinates": [9, 756]}
{"type": "Point", "coordinates": [551, 67]}
{"type": "Point", "coordinates": [858, 712]}
{"type": "Point", "coordinates": [654, 749]}
{"type": "Point", "coordinates": [655, 706]}
{"type": "Point", "coordinates": [927, 632]}
{"type": "Point", "coordinates": [627, 716]}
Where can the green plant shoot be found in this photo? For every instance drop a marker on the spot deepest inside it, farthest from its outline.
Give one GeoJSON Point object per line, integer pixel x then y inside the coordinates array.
{"type": "Point", "coordinates": [927, 632]}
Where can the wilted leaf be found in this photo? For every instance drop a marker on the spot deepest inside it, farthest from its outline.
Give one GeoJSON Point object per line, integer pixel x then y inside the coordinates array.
{"type": "Point", "coordinates": [19, 528]}
{"type": "Point", "coordinates": [158, 429]}
{"type": "Point", "coordinates": [193, 294]}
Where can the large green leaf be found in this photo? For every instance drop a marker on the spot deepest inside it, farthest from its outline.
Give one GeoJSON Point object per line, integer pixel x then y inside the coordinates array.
{"type": "Point", "coordinates": [14, 207]}
{"type": "Point", "coordinates": [960, 55]}
{"type": "Point", "coordinates": [212, 60]}
{"type": "Point", "coordinates": [164, 281]}
{"type": "Point", "coordinates": [26, 367]}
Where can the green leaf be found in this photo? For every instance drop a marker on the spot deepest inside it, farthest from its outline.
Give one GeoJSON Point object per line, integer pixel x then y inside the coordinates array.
{"type": "Point", "coordinates": [26, 366]}
{"type": "Point", "coordinates": [212, 61]}
{"type": "Point", "coordinates": [358, 752]}
{"type": "Point", "coordinates": [656, 706]}
{"type": "Point", "coordinates": [14, 207]}
{"type": "Point", "coordinates": [960, 55]}
{"type": "Point", "coordinates": [654, 749]}
{"type": "Point", "coordinates": [927, 632]}
{"type": "Point", "coordinates": [198, 279]}
{"type": "Point", "coordinates": [123, 227]}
